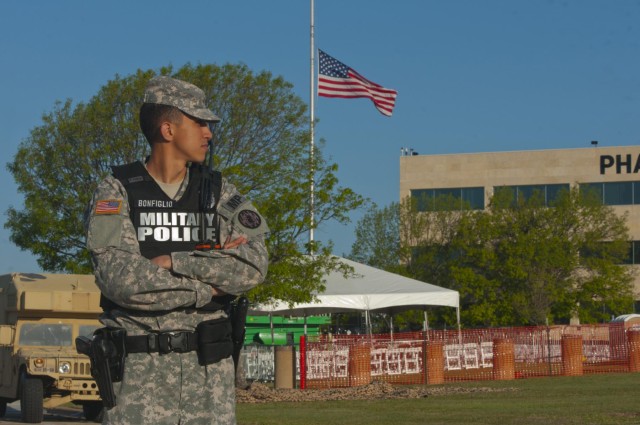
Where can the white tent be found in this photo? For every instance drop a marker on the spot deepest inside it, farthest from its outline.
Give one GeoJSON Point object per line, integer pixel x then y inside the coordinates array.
{"type": "Point", "coordinates": [369, 290]}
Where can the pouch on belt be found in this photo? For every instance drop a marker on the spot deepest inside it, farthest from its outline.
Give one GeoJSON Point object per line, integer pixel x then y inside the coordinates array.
{"type": "Point", "coordinates": [214, 340]}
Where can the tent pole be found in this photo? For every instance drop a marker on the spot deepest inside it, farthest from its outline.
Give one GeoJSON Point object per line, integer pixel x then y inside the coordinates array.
{"type": "Point", "coordinates": [426, 325]}
{"type": "Point", "coordinates": [367, 320]}
{"type": "Point", "coordinates": [459, 329]}
{"type": "Point", "coordinates": [271, 326]}
{"type": "Point", "coordinates": [391, 321]}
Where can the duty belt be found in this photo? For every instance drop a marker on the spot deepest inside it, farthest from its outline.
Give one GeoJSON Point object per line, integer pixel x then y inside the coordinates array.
{"type": "Point", "coordinates": [163, 343]}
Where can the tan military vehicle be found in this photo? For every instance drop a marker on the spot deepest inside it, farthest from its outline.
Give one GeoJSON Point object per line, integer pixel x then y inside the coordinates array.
{"type": "Point", "coordinates": [40, 317]}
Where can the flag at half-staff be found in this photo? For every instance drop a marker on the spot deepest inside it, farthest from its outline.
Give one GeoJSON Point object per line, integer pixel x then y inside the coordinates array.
{"type": "Point", "coordinates": [336, 79]}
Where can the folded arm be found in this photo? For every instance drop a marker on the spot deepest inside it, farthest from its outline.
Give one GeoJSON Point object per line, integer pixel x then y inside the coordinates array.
{"type": "Point", "coordinates": [242, 263]}
{"type": "Point", "coordinates": [122, 273]}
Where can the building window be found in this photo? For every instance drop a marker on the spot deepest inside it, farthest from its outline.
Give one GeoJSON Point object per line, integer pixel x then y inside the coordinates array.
{"type": "Point", "coordinates": [614, 193]}
{"type": "Point", "coordinates": [632, 256]}
{"type": "Point", "coordinates": [597, 189]}
{"type": "Point", "coordinates": [554, 191]}
{"type": "Point", "coordinates": [619, 193]}
{"type": "Point", "coordinates": [634, 253]}
{"type": "Point", "coordinates": [474, 196]}
{"type": "Point", "coordinates": [548, 193]}
{"type": "Point", "coordinates": [453, 199]}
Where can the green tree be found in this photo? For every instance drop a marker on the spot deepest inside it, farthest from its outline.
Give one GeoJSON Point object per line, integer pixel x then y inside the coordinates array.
{"type": "Point", "coordinates": [515, 263]}
{"type": "Point", "coordinates": [524, 263]}
{"type": "Point", "coordinates": [261, 146]}
{"type": "Point", "coordinates": [400, 238]}
{"type": "Point", "coordinates": [428, 235]}
{"type": "Point", "coordinates": [378, 238]}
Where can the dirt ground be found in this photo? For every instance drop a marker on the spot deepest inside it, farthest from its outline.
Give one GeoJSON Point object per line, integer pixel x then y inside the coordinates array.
{"type": "Point", "coordinates": [262, 393]}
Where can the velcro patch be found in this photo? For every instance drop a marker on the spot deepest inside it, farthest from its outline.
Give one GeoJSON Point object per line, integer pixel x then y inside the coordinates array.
{"type": "Point", "coordinates": [233, 203]}
{"type": "Point", "coordinates": [249, 219]}
{"type": "Point", "coordinates": [249, 222]}
{"type": "Point", "coordinates": [108, 206]}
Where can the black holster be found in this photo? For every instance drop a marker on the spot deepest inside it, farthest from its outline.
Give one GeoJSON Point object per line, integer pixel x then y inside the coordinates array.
{"type": "Point", "coordinates": [106, 350]}
{"type": "Point", "coordinates": [214, 340]}
{"type": "Point", "coordinates": [238, 316]}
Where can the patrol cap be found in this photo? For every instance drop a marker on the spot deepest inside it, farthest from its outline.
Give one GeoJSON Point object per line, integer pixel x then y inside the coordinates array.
{"type": "Point", "coordinates": [185, 96]}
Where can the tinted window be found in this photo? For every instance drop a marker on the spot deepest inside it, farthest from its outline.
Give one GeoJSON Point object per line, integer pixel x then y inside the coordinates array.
{"type": "Point", "coordinates": [474, 197]}
{"type": "Point", "coordinates": [593, 189]}
{"type": "Point", "coordinates": [423, 198]}
{"type": "Point", "coordinates": [554, 191]}
{"type": "Point", "coordinates": [618, 193]}
{"type": "Point", "coordinates": [45, 334]}
{"type": "Point", "coordinates": [449, 198]}
{"type": "Point", "coordinates": [87, 330]}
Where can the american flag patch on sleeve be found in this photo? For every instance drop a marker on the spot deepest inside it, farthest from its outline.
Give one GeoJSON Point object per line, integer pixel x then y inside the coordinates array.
{"type": "Point", "coordinates": [108, 206]}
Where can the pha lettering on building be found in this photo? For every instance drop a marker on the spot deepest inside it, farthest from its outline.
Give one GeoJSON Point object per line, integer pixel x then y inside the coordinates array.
{"type": "Point", "coordinates": [621, 164]}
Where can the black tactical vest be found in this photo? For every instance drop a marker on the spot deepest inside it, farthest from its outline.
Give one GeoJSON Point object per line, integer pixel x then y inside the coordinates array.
{"type": "Point", "coordinates": [162, 224]}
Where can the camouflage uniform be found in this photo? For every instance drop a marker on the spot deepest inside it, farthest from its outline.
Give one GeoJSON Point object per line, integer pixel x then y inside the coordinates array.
{"type": "Point", "coordinates": [169, 388]}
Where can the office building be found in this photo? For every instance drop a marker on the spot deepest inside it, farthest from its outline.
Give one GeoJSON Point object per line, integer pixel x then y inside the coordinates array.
{"type": "Point", "coordinates": [473, 177]}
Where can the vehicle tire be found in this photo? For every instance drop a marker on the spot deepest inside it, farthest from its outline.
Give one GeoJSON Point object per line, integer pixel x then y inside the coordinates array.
{"type": "Point", "coordinates": [3, 407]}
{"type": "Point", "coordinates": [92, 411]}
{"type": "Point", "coordinates": [31, 400]}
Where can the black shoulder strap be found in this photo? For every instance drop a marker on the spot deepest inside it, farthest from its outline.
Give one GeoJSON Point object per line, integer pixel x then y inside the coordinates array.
{"type": "Point", "coordinates": [210, 190]}
{"type": "Point", "coordinates": [217, 185]}
{"type": "Point", "coordinates": [216, 182]}
{"type": "Point", "coordinates": [130, 173]}
{"type": "Point", "coordinates": [210, 183]}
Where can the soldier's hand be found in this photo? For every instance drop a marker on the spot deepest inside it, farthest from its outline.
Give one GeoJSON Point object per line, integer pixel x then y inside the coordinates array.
{"type": "Point", "coordinates": [217, 292]}
{"type": "Point", "coordinates": [163, 261]}
{"type": "Point", "coordinates": [240, 240]}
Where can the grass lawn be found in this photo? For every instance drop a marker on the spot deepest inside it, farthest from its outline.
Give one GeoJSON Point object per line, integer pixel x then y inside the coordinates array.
{"type": "Point", "coordinates": [610, 399]}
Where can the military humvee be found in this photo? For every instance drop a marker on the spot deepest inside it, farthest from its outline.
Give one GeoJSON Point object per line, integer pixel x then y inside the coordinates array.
{"type": "Point", "coordinates": [40, 317]}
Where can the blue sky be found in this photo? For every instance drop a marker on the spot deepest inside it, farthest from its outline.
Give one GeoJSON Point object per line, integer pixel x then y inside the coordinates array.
{"type": "Point", "coordinates": [471, 75]}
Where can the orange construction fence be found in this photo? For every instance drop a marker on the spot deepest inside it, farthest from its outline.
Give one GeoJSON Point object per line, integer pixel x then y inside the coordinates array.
{"type": "Point", "coordinates": [438, 356]}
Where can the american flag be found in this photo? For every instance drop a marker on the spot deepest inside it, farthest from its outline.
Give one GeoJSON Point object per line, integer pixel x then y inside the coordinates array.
{"type": "Point", "coordinates": [336, 79]}
{"type": "Point", "coordinates": [108, 206]}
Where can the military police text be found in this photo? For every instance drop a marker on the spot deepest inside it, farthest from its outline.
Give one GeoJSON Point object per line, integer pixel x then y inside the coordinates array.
{"type": "Point", "coordinates": [174, 226]}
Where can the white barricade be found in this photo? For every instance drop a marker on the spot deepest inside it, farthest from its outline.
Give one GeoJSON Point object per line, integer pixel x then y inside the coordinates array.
{"type": "Point", "coordinates": [396, 360]}
{"type": "Point", "coordinates": [259, 364]}
{"type": "Point", "coordinates": [322, 364]}
{"type": "Point", "coordinates": [486, 353]}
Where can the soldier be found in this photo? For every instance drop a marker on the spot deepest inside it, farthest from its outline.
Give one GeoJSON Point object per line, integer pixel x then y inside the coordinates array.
{"type": "Point", "coordinates": [143, 225]}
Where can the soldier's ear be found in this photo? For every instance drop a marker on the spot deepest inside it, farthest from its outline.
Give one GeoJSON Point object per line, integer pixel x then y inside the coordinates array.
{"type": "Point", "coordinates": [167, 130]}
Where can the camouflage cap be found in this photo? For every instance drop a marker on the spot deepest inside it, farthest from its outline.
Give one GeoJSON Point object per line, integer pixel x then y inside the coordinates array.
{"type": "Point", "coordinates": [185, 96]}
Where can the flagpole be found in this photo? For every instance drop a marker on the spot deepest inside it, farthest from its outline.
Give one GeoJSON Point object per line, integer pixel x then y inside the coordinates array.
{"type": "Point", "coordinates": [312, 131]}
